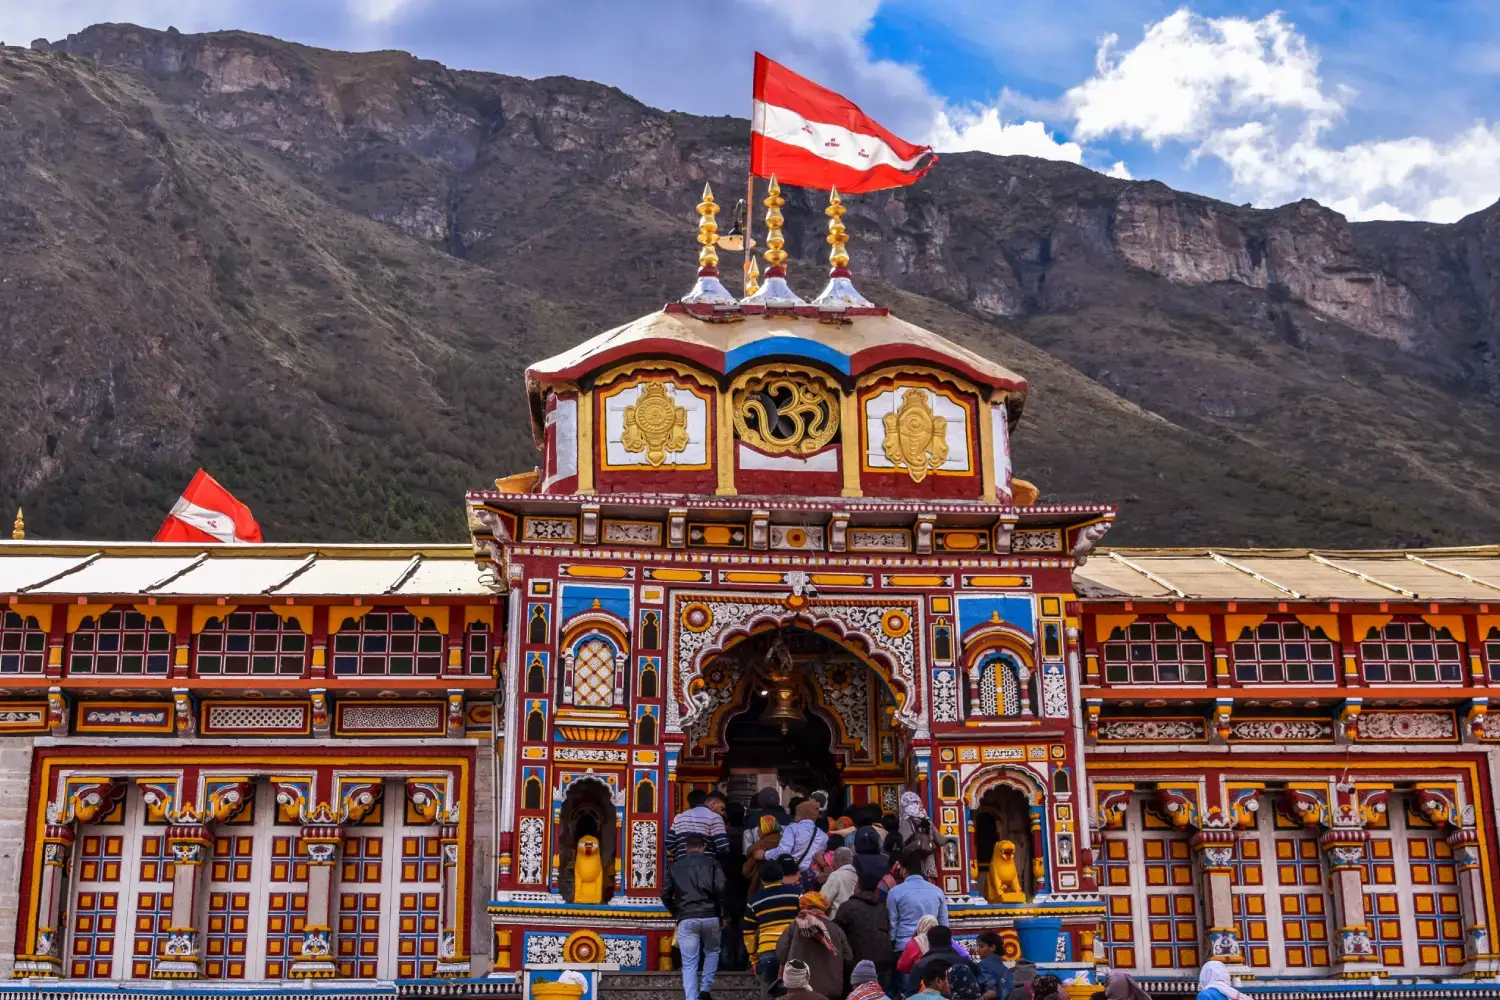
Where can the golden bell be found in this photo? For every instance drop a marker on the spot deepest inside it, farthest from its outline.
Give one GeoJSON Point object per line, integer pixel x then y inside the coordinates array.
{"type": "Point", "coordinates": [783, 707]}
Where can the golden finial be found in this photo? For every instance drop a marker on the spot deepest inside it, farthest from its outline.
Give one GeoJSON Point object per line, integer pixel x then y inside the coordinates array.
{"type": "Point", "coordinates": [752, 277]}
{"type": "Point", "coordinates": [775, 256]}
{"type": "Point", "coordinates": [708, 231]}
{"type": "Point", "coordinates": [837, 235]}
{"type": "Point", "coordinates": [18, 530]}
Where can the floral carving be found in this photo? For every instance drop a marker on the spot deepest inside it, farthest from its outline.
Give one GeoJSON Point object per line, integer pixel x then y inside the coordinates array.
{"type": "Point", "coordinates": [642, 854]}
{"type": "Point", "coordinates": [1406, 726]}
{"type": "Point", "coordinates": [944, 696]}
{"type": "Point", "coordinates": [1054, 691]}
{"type": "Point", "coordinates": [1152, 730]}
{"type": "Point", "coordinates": [530, 867]}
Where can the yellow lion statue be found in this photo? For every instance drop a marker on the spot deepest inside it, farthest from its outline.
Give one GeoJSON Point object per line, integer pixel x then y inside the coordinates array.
{"type": "Point", "coordinates": [1003, 885]}
{"type": "Point", "coordinates": [588, 872]}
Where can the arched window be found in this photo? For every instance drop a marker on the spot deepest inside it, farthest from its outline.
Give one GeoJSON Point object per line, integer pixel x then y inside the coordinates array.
{"type": "Point", "coordinates": [594, 674]}
{"type": "Point", "coordinates": [1061, 783]}
{"type": "Point", "coordinates": [1283, 651]}
{"type": "Point", "coordinates": [536, 676]}
{"type": "Point", "coordinates": [477, 648]}
{"type": "Point", "coordinates": [536, 727]}
{"type": "Point", "coordinates": [645, 730]}
{"type": "Point", "coordinates": [948, 785]}
{"type": "Point", "coordinates": [388, 644]}
{"type": "Point", "coordinates": [999, 688]}
{"type": "Point", "coordinates": [252, 642]}
{"type": "Point", "coordinates": [1407, 651]}
{"type": "Point", "coordinates": [120, 642]}
{"type": "Point", "coordinates": [942, 641]}
{"type": "Point", "coordinates": [650, 630]}
{"type": "Point", "coordinates": [536, 631]}
{"type": "Point", "coordinates": [648, 682]}
{"type": "Point", "coordinates": [532, 798]}
{"type": "Point", "coordinates": [645, 797]}
{"type": "Point", "coordinates": [23, 644]}
{"type": "Point", "coordinates": [1155, 652]}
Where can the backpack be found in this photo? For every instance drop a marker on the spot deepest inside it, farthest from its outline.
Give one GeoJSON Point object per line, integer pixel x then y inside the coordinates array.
{"type": "Point", "coordinates": [922, 839]}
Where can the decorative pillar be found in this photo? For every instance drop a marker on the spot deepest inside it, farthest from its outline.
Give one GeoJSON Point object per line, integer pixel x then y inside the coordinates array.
{"type": "Point", "coordinates": [1039, 881]}
{"type": "Point", "coordinates": [1215, 851]}
{"type": "Point", "coordinates": [1344, 847]}
{"type": "Point", "coordinates": [1480, 958]}
{"type": "Point", "coordinates": [181, 957]}
{"type": "Point", "coordinates": [46, 952]}
{"type": "Point", "coordinates": [452, 962]}
{"type": "Point", "coordinates": [316, 958]}
{"type": "Point", "coordinates": [1023, 677]}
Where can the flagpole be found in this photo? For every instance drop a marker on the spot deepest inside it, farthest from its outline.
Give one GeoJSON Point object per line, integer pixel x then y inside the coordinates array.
{"type": "Point", "coordinates": [749, 227]}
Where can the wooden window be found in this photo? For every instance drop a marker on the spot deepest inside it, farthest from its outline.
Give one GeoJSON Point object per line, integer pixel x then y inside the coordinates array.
{"type": "Point", "coordinates": [23, 645]}
{"type": "Point", "coordinates": [120, 642]}
{"type": "Point", "coordinates": [1284, 652]}
{"type": "Point", "coordinates": [388, 644]}
{"type": "Point", "coordinates": [594, 674]}
{"type": "Point", "coordinates": [1051, 640]}
{"type": "Point", "coordinates": [252, 642]}
{"type": "Point", "coordinates": [1155, 652]}
{"type": "Point", "coordinates": [477, 649]}
{"type": "Point", "coordinates": [1492, 653]}
{"type": "Point", "coordinates": [1411, 651]}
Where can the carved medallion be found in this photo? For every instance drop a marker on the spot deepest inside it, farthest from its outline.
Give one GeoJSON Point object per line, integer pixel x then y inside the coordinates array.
{"type": "Point", "coordinates": [783, 413]}
{"type": "Point", "coordinates": [655, 424]}
{"type": "Point", "coordinates": [915, 437]}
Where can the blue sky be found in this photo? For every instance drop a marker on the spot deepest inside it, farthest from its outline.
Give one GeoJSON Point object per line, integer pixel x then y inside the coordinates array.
{"type": "Point", "coordinates": [1379, 108]}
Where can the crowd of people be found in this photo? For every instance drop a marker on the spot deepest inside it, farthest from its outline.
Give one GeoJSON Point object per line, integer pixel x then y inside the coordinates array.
{"type": "Point", "coordinates": [825, 908]}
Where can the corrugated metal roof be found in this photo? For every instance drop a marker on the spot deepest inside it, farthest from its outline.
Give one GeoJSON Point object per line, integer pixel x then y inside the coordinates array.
{"type": "Point", "coordinates": [1468, 574]}
{"type": "Point", "coordinates": [34, 567]}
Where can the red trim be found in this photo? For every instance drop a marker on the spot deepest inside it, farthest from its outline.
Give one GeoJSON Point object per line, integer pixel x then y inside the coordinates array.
{"type": "Point", "coordinates": [798, 167]}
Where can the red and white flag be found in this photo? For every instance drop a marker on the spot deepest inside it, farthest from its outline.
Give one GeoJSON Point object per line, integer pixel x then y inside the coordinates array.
{"type": "Point", "coordinates": [207, 512]}
{"type": "Point", "coordinates": [808, 136]}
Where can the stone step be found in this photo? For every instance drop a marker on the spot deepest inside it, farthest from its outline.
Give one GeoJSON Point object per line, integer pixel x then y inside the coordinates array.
{"type": "Point", "coordinates": [668, 986]}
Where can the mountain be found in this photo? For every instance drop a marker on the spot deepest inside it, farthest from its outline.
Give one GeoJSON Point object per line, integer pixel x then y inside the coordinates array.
{"type": "Point", "coordinates": [321, 274]}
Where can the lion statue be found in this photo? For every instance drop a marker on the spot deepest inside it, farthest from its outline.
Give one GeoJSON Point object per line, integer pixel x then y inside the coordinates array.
{"type": "Point", "coordinates": [588, 872]}
{"type": "Point", "coordinates": [1003, 885]}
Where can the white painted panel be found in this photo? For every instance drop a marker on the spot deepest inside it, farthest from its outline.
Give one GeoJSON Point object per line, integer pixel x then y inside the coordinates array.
{"type": "Point", "coordinates": [826, 460]}
{"type": "Point", "coordinates": [889, 401]}
{"type": "Point", "coordinates": [696, 452]}
{"type": "Point", "coordinates": [1001, 428]}
{"type": "Point", "coordinates": [563, 462]}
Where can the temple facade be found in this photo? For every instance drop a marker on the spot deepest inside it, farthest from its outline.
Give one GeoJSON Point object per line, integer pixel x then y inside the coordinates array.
{"type": "Point", "coordinates": [774, 543]}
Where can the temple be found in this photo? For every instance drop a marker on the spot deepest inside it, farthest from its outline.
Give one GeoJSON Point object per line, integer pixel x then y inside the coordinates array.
{"type": "Point", "coordinates": [769, 542]}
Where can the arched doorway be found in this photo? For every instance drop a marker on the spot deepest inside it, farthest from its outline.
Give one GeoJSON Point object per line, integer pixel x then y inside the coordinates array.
{"type": "Point", "coordinates": [1004, 814]}
{"type": "Point", "coordinates": [794, 708]}
{"type": "Point", "coordinates": [587, 812]}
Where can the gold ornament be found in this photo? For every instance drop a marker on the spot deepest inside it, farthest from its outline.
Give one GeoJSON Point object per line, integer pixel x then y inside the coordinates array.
{"type": "Point", "coordinates": [838, 257]}
{"type": "Point", "coordinates": [915, 438]}
{"type": "Point", "coordinates": [775, 255]}
{"type": "Point", "coordinates": [18, 528]}
{"type": "Point", "coordinates": [1003, 882]}
{"type": "Point", "coordinates": [655, 424]}
{"type": "Point", "coordinates": [708, 231]}
{"type": "Point", "coordinates": [780, 413]}
{"type": "Point", "coordinates": [752, 277]}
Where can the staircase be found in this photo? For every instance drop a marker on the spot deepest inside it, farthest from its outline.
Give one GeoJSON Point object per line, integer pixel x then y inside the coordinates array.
{"type": "Point", "coordinates": [668, 986]}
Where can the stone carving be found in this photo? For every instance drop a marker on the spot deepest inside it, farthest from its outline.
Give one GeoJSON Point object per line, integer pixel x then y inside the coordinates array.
{"type": "Point", "coordinates": [257, 718]}
{"type": "Point", "coordinates": [626, 952]}
{"type": "Point", "coordinates": [549, 529]}
{"type": "Point", "coordinates": [1373, 725]}
{"type": "Point", "coordinates": [544, 949]}
{"type": "Point", "coordinates": [1054, 691]}
{"type": "Point", "coordinates": [944, 696]}
{"type": "Point", "coordinates": [363, 718]}
{"type": "Point", "coordinates": [1036, 541]}
{"type": "Point", "coordinates": [530, 867]}
{"type": "Point", "coordinates": [655, 424]}
{"type": "Point", "coordinates": [632, 533]}
{"type": "Point", "coordinates": [642, 854]}
{"type": "Point", "coordinates": [1152, 730]}
{"type": "Point", "coordinates": [916, 439]}
{"type": "Point", "coordinates": [879, 540]}
{"type": "Point", "coordinates": [591, 755]}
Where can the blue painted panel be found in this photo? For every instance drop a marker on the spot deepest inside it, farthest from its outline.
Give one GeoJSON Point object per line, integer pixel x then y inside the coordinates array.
{"type": "Point", "coordinates": [797, 347]}
{"type": "Point", "coordinates": [579, 597]}
{"type": "Point", "coordinates": [1017, 609]}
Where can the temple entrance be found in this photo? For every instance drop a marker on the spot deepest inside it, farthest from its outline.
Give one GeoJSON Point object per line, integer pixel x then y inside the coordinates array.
{"type": "Point", "coordinates": [793, 708]}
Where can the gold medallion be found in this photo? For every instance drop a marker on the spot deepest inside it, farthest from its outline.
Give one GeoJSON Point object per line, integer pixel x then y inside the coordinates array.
{"type": "Point", "coordinates": [655, 424]}
{"type": "Point", "coordinates": [916, 439]}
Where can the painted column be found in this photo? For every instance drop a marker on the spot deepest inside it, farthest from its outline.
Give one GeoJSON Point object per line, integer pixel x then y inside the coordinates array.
{"type": "Point", "coordinates": [1039, 875]}
{"type": "Point", "coordinates": [1480, 958]}
{"type": "Point", "coordinates": [1215, 851]}
{"type": "Point", "coordinates": [181, 957]}
{"type": "Point", "coordinates": [316, 959]}
{"type": "Point", "coordinates": [1344, 847]}
{"type": "Point", "coordinates": [451, 962]}
{"type": "Point", "coordinates": [505, 781]}
{"type": "Point", "coordinates": [1023, 676]}
{"type": "Point", "coordinates": [46, 953]}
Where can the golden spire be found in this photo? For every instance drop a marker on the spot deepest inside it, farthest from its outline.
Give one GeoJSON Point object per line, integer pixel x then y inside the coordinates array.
{"type": "Point", "coordinates": [708, 232]}
{"type": "Point", "coordinates": [752, 277]}
{"type": "Point", "coordinates": [840, 292]}
{"type": "Point", "coordinates": [775, 256]}
{"type": "Point", "coordinates": [837, 235]}
{"type": "Point", "coordinates": [18, 530]}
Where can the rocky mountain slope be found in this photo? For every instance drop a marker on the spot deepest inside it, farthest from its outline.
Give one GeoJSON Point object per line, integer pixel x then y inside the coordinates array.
{"type": "Point", "coordinates": [319, 274]}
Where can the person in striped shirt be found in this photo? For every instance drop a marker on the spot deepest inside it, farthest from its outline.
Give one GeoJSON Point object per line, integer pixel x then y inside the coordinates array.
{"type": "Point", "coordinates": [769, 912]}
{"type": "Point", "coordinates": [705, 817]}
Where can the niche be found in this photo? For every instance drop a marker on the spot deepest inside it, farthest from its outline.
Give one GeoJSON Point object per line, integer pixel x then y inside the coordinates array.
{"type": "Point", "coordinates": [586, 812]}
{"type": "Point", "coordinates": [1004, 814]}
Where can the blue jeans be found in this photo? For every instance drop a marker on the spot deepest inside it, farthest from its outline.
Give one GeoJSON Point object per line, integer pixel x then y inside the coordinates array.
{"type": "Point", "coordinates": [767, 968]}
{"type": "Point", "coordinates": [698, 937]}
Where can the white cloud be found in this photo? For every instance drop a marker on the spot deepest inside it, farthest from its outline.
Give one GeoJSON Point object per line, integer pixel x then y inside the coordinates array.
{"type": "Point", "coordinates": [380, 11]}
{"type": "Point", "coordinates": [1119, 170]}
{"type": "Point", "coordinates": [1251, 95]}
{"type": "Point", "coordinates": [958, 131]}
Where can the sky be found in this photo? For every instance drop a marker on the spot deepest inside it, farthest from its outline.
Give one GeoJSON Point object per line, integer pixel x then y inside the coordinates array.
{"type": "Point", "coordinates": [1380, 109]}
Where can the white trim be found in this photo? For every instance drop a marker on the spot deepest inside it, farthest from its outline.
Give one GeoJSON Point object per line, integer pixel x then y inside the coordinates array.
{"type": "Point", "coordinates": [828, 142]}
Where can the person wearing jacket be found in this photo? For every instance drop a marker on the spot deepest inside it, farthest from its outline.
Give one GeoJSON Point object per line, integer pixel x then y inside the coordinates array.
{"type": "Point", "coordinates": [842, 882]}
{"type": "Point", "coordinates": [769, 912]}
{"type": "Point", "coordinates": [940, 948]}
{"type": "Point", "coordinates": [1024, 974]}
{"type": "Point", "coordinates": [769, 836]}
{"type": "Point", "coordinates": [864, 983]}
{"type": "Point", "coordinates": [803, 842]}
{"type": "Point", "coordinates": [693, 893]}
{"type": "Point", "coordinates": [994, 975]}
{"type": "Point", "coordinates": [813, 939]}
{"type": "Point", "coordinates": [1214, 983]}
{"type": "Point", "coordinates": [767, 802]}
{"type": "Point", "coordinates": [869, 860]}
{"type": "Point", "coordinates": [866, 922]}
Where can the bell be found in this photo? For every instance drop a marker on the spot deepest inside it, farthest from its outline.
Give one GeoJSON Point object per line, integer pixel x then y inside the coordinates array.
{"type": "Point", "coordinates": [734, 239]}
{"type": "Point", "coordinates": [783, 705]}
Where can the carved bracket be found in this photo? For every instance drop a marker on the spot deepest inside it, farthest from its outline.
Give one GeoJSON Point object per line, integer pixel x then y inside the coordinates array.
{"type": "Point", "coordinates": [1307, 806]}
{"type": "Point", "coordinates": [1111, 804]}
{"type": "Point", "coordinates": [1438, 805]}
{"type": "Point", "coordinates": [1178, 805]}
